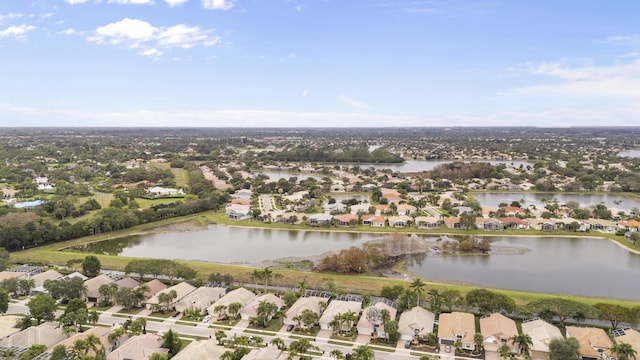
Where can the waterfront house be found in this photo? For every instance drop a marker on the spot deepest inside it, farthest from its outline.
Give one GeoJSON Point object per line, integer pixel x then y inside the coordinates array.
{"type": "Point", "coordinates": [415, 322]}
{"type": "Point", "coordinates": [251, 310]}
{"type": "Point", "coordinates": [457, 326]}
{"type": "Point", "coordinates": [373, 220]}
{"type": "Point", "coordinates": [337, 307]}
{"type": "Point", "coordinates": [541, 333]}
{"type": "Point", "coordinates": [373, 326]}
{"type": "Point", "coordinates": [427, 222]}
{"type": "Point", "coordinates": [497, 330]}
{"type": "Point", "coordinates": [594, 342]}
{"type": "Point", "coordinates": [312, 303]}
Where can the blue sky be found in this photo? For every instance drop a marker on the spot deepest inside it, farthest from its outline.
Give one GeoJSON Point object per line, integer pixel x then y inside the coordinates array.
{"type": "Point", "coordinates": [319, 63]}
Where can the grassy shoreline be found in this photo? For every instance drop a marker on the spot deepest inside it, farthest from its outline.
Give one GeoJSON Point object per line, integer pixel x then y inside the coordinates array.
{"type": "Point", "coordinates": [363, 284]}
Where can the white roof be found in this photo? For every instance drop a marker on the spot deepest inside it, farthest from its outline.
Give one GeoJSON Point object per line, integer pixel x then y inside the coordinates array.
{"type": "Point", "coordinates": [252, 308]}
{"type": "Point", "coordinates": [239, 295]}
{"type": "Point", "coordinates": [182, 289]}
{"type": "Point", "coordinates": [312, 303]}
{"type": "Point", "coordinates": [417, 318]}
{"type": "Point", "coordinates": [200, 298]}
{"type": "Point", "coordinates": [364, 323]}
{"type": "Point", "coordinates": [541, 333]}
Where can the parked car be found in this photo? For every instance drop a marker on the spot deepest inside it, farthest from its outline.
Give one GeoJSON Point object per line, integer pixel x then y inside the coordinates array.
{"type": "Point", "coordinates": [206, 318]}
{"type": "Point", "coordinates": [175, 313]}
{"type": "Point", "coordinates": [447, 348]}
{"type": "Point", "coordinates": [407, 344]}
{"type": "Point", "coordinates": [290, 327]}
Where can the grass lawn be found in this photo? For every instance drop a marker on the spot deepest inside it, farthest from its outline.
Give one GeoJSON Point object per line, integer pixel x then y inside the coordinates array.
{"type": "Point", "coordinates": [231, 322]}
{"type": "Point", "coordinates": [349, 338]}
{"type": "Point", "coordinates": [160, 315]}
{"type": "Point", "coordinates": [274, 326]}
{"type": "Point", "coordinates": [132, 311]}
{"type": "Point", "coordinates": [187, 323]}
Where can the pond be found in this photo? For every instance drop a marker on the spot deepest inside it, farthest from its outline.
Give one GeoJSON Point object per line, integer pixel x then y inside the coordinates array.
{"type": "Point", "coordinates": [630, 153]}
{"type": "Point", "coordinates": [577, 266]}
{"type": "Point", "coordinates": [277, 175]}
{"type": "Point", "coordinates": [537, 199]}
{"type": "Point", "coordinates": [411, 166]}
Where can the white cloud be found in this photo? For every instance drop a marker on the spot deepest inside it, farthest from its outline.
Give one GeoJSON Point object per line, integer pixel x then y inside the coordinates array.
{"type": "Point", "coordinates": [619, 80]}
{"type": "Point", "coordinates": [132, 2]}
{"type": "Point", "coordinates": [11, 16]}
{"type": "Point", "coordinates": [184, 36]}
{"type": "Point", "coordinates": [218, 4]}
{"type": "Point", "coordinates": [131, 32]}
{"type": "Point", "coordinates": [623, 40]}
{"type": "Point", "coordinates": [305, 93]}
{"type": "Point", "coordinates": [134, 33]}
{"type": "Point", "coordinates": [352, 102]}
{"type": "Point", "coordinates": [73, 2]}
{"type": "Point", "coordinates": [174, 3]}
{"type": "Point", "coordinates": [16, 31]}
{"type": "Point", "coordinates": [70, 31]}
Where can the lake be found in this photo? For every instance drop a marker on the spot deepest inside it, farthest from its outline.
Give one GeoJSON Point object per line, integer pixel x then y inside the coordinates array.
{"type": "Point", "coordinates": [277, 175]}
{"type": "Point", "coordinates": [411, 166]}
{"type": "Point", "coordinates": [630, 153]}
{"type": "Point", "coordinates": [577, 266]}
{"type": "Point", "coordinates": [585, 200]}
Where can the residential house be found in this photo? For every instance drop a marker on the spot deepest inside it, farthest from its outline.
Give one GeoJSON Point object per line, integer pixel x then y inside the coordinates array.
{"type": "Point", "coordinates": [128, 283]}
{"type": "Point", "coordinates": [369, 187]}
{"type": "Point", "coordinates": [239, 295]}
{"type": "Point", "coordinates": [382, 209]}
{"type": "Point", "coordinates": [161, 191]}
{"type": "Point", "coordinates": [320, 219]}
{"type": "Point", "coordinates": [251, 310]}
{"type": "Point", "coordinates": [374, 220]}
{"type": "Point", "coordinates": [266, 353]}
{"type": "Point", "coordinates": [155, 286]}
{"type": "Point", "coordinates": [497, 330]}
{"type": "Point", "coordinates": [47, 334]}
{"type": "Point", "coordinates": [632, 225]}
{"type": "Point", "coordinates": [541, 333]}
{"type": "Point", "coordinates": [360, 208]}
{"type": "Point", "coordinates": [372, 326]}
{"type": "Point", "coordinates": [415, 322]}
{"type": "Point", "coordinates": [102, 333]}
{"type": "Point", "coordinates": [182, 289]}
{"type": "Point", "coordinates": [39, 280]}
{"type": "Point", "coordinates": [427, 222]}
{"type": "Point", "coordinates": [93, 287]}
{"type": "Point", "coordinates": [628, 336]}
{"type": "Point", "coordinates": [452, 222]}
{"type": "Point", "coordinates": [457, 326]}
{"type": "Point", "coordinates": [313, 303]}
{"type": "Point", "coordinates": [138, 347]}
{"type": "Point", "coordinates": [602, 225]}
{"type": "Point", "coordinates": [406, 209]}
{"type": "Point", "coordinates": [514, 223]}
{"type": "Point", "coordinates": [345, 220]}
{"type": "Point", "coordinates": [594, 342]}
{"type": "Point", "coordinates": [200, 298]}
{"type": "Point", "coordinates": [6, 275]}
{"type": "Point", "coordinates": [392, 198]}
{"type": "Point", "coordinates": [400, 221]}
{"type": "Point", "coordinates": [337, 187]}
{"type": "Point", "coordinates": [337, 307]}
{"type": "Point", "coordinates": [201, 350]}
{"type": "Point", "coordinates": [512, 210]}
{"type": "Point", "coordinates": [238, 211]}
{"type": "Point", "coordinates": [243, 194]}
{"type": "Point", "coordinates": [489, 224]}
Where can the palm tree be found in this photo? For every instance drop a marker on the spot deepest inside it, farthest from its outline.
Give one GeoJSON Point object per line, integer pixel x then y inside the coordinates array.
{"type": "Point", "coordinates": [336, 354]}
{"type": "Point", "coordinates": [265, 311]}
{"type": "Point", "coordinates": [278, 343]}
{"type": "Point", "coordinates": [220, 334]}
{"type": "Point", "coordinates": [79, 348]}
{"type": "Point", "coordinates": [302, 286]}
{"type": "Point", "coordinates": [92, 343]}
{"type": "Point", "coordinates": [234, 308]}
{"type": "Point", "coordinates": [524, 343]}
{"type": "Point", "coordinates": [418, 286]}
{"type": "Point", "coordinates": [266, 275]}
{"type": "Point", "coordinates": [363, 352]}
{"type": "Point", "coordinates": [349, 318]}
{"type": "Point", "coordinates": [505, 351]}
{"type": "Point", "coordinates": [93, 317]}
{"type": "Point", "coordinates": [624, 351]}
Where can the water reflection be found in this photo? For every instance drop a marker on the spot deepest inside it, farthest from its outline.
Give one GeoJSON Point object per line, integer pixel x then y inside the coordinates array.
{"type": "Point", "coordinates": [578, 266]}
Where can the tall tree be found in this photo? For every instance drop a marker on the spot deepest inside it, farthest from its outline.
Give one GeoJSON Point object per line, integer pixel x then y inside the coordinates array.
{"type": "Point", "coordinates": [91, 266]}
{"type": "Point", "coordinates": [564, 349]}
{"type": "Point", "coordinates": [524, 343]}
{"type": "Point", "coordinates": [614, 313]}
{"type": "Point", "coordinates": [561, 308]}
{"type": "Point", "coordinates": [42, 307]}
{"type": "Point", "coordinates": [418, 286]}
